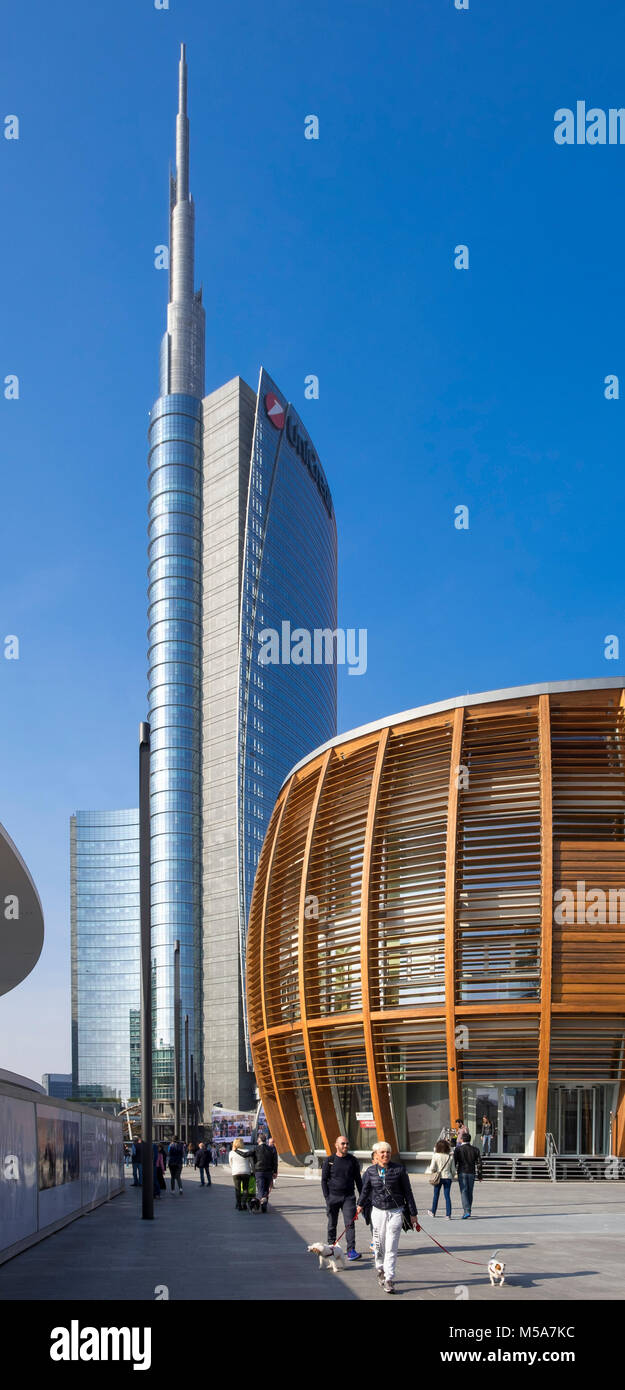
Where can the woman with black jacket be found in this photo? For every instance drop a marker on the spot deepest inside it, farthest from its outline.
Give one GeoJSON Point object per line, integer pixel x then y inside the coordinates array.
{"type": "Point", "coordinates": [386, 1191]}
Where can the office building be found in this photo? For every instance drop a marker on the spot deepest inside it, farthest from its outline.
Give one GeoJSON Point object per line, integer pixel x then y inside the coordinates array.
{"type": "Point", "coordinates": [57, 1083]}
{"type": "Point", "coordinates": [105, 938]}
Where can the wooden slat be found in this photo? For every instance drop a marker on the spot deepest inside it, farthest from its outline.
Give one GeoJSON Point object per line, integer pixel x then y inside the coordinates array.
{"type": "Point", "coordinates": [546, 832]}
{"type": "Point", "coordinates": [453, 1079]}
{"type": "Point", "coordinates": [380, 1101]}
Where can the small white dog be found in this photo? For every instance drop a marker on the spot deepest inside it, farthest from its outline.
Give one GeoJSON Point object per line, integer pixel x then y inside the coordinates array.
{"type": "Point", "coordinates": [496, 1271]}
{"type": "Point", "coordinates": [330, 1256]}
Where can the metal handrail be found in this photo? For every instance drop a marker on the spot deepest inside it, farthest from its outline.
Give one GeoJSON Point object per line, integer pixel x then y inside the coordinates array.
{"type": "Point", "coordinates": [552, 1151]}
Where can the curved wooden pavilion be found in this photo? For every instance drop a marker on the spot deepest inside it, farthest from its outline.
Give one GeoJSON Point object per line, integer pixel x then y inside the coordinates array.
{"type": "Point", "coordinates": [411, 954]}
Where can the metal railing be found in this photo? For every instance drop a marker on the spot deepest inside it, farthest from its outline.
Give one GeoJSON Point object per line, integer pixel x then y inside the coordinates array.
{"type": "Point", "coordinates": [552, 1154]}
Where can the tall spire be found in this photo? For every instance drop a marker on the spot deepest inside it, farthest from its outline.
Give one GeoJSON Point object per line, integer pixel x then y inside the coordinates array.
{"type": "Point", "coordinates": [182, 131]}
{"type": "Point", "coordinates": [182, 348]}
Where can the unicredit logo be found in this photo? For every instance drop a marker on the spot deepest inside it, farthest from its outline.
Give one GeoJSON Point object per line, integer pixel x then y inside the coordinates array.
{"type": "Point", "coordinates": [275, 410]}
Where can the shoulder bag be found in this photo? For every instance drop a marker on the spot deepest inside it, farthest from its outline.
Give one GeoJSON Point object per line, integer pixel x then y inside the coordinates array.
{"type": "Point", "coordinates": [435, 1178]}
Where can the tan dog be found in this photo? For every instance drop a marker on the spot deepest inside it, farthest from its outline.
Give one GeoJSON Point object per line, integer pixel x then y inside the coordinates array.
{"type": "Point", "coordinates": [496, 1271]}
{"type": "Point", "coordinates": [329, 1255]}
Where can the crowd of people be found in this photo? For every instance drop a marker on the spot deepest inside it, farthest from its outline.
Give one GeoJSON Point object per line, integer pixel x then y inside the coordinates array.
{"type": "Point", "coordinates": [174, 1156]}
{"type": "Point", "coordinates": [254, 1167]}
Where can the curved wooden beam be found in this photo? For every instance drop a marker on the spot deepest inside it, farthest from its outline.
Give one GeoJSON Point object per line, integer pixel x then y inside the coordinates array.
{"type": "Point", "coordinates": [285, 1106]}
{"type": "Point", "coordinates": [380, 1099]}
{"type": "Point", "coordinates": [546, 933]}
{"type": "Point", "coordinates": [328, 1120]}
{"type": "Point", "coordinates": [453, 1079]}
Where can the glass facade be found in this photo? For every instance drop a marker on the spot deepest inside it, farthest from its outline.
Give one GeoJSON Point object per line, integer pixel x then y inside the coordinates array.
{"type": "Point", "coordinates": [174, 660]}
{"type": "Point", "coordinates": [289, 583]}
{"type": "Point", "coordinates": [104, 875]}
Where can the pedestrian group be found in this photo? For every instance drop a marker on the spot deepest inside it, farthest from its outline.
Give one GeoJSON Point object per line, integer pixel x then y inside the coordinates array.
{"type": "Point", "coordinates": [382, 1194]}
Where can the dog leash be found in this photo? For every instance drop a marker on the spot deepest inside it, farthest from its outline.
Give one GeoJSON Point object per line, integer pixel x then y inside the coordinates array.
{"type": "Point", "coordinates": [478, 1263]}
{"type": "Point", "coordinates": [350, 1223]}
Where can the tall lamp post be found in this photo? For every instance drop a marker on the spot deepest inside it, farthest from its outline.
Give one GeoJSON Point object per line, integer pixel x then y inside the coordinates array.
{"type": "Point", "coordinates": [177, 1039]}
{"type": "Point", "coordinates": [147, 1187]}
{"type": "Point", "coordinates": [186, 1079]}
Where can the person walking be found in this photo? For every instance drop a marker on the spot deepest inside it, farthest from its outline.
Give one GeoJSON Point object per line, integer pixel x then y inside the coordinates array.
{"type": "Point", "coordinates": [175, 1159]}
{"type": "Point", "coordinates": [461, 1131]}
{"type": "Point", "coordinates": [442, 1167]}
{"type": "Point", "coordinates": [160, 1169]}
{"type": "Point", "coordinates": [265, 1170]}
{"type": "Point", "coordinates": [240, 1160]}
{"type": "Point", "coordinates": [136, 1162]}
{"type": "Point", "coordinates": [468, 1161]}
{"type": "Point", "coordinates": [486, 1135]}
{"type": "Point", "coordinates": [340, 1175]}
{"type": "Point", "coordinates": [155, 1182]}
{"type": "Point", "coordinates": [202, 1160]}
{"type": "Point", "coordinates": [386, 1193]}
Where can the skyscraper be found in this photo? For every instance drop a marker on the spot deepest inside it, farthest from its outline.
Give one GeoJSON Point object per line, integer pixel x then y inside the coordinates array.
{"type": "Point", "coordinates": [269, 567]}
{"type": "Point", "coordinates": [104, 898]}
{"type": "Point", "coordinates": [175, 628]}
{"type": "Point", "coordinates": [242, 539]}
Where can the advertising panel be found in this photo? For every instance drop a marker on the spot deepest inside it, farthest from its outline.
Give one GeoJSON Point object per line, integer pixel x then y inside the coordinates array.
{"type": "Point", "coordinates": [94, 1158]}
{"type": "Point", "coordinates": [115, 1149]}
{"type": "Point", "coordinates": [232, 1124]}
{"type": "Point", "coordinates": [58, 1150]}
{"type": "Point", "coordinates": [18, 1170]}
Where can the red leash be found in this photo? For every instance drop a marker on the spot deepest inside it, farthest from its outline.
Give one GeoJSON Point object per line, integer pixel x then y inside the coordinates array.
{"type": "Point", "coordinates": [478, 1263]}
{"type": "Point", "coordinates": [350, 1223]}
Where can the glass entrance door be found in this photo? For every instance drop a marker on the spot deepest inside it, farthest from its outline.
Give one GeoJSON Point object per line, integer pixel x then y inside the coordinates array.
{"type": "Point", "coordinates": [579, 1119]}
{"type": "Point", "coordinates": [505, 1107]}
{"type": "Point", "coordinates": [487, 1104]}
{"type": "Point", "coordinates": [513, 1116]}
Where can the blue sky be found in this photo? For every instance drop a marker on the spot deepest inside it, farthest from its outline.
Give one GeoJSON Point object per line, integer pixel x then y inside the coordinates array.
{"type": "Point", "coordinates": [438, 387]}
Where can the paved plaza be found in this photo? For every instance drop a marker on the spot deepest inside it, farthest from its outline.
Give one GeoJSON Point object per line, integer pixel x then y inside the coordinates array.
{"type": "Point", "coordinates": [564, 1241]}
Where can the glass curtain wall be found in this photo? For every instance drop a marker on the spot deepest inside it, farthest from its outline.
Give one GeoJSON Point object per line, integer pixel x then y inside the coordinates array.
{"type": "Point", "coordinates": [289, 582]}
{"type": "Point", "coordinates": [174, 659]}
{"type": "Point", "coordinates": [104, 876]}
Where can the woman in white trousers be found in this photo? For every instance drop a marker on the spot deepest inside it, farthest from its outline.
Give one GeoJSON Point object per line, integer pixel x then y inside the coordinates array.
{"type": "Point", "coordinates": [386, 1190]}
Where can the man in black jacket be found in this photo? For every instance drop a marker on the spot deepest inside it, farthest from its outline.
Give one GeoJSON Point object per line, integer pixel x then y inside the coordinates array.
{"type": "Point", "coordinates": [202, 1160]}
{"type": "Point", "coordinates": [339, 1175]}
{"type": "Point", "coordinates": [468, 1161]}
{"type": "Point", "coordinates": [265, 1169]}
{"type": "Point", "coordinates": [175, 1159]}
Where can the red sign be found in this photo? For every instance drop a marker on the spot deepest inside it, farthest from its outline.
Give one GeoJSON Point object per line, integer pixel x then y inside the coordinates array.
{"type": "Point", "coordinates": [275, 410]}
